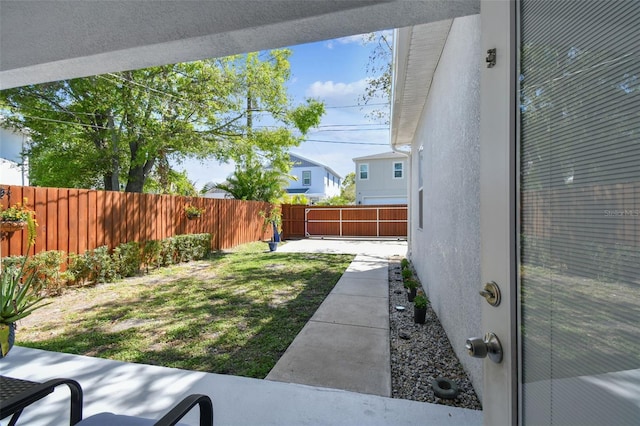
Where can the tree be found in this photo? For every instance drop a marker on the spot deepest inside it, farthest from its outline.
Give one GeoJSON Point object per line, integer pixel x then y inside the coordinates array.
{"type": "Point", "coordinates": [253, 181]}
{"type": "Point", "coordinates": [348, 190]}
{"type": "Point", "coordinates": [380, 74]}
{"type": "Point", "coordinates": [117, 130]}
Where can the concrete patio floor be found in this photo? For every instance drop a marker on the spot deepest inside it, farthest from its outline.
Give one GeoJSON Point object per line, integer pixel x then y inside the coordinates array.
{"type": "Point", "coordinates": [149, 391]}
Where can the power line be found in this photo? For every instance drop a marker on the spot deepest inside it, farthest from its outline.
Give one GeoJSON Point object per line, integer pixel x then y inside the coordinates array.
{"type": "Point", "coordinates": [350, 125]}
{"type": "Point", "coordinates": [351, 130]}
{"type": "Point", "coordinates": [93, 126]}
{"type": "Point", "coordinates": [357, 106]}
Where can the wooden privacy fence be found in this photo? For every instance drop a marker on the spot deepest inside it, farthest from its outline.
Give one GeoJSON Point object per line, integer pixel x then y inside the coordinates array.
{"type": "Point", "coordinates": [76, 220]}
{"type": "Point", "coordinates": [344, 221]}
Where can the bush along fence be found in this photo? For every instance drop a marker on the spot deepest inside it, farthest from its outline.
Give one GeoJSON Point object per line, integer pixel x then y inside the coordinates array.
{"type": "Point", "coordinates": [56, 270]}
{"type": "Point", "coordinates": [77, 220]}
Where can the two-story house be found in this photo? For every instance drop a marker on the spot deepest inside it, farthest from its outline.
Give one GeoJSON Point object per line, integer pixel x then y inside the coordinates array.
{"type": "Point", "coordinates": [381, 179]}
{"type": "Point", "coordinates": [312, 179]}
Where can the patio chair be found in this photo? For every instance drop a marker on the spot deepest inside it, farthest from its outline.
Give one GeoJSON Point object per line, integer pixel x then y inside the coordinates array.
{"type": "Point", "coordinates": [169, 419]}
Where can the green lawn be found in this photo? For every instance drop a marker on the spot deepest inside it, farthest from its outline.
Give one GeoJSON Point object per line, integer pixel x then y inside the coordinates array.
{"type": "Point", "coordinates": [235, 313]}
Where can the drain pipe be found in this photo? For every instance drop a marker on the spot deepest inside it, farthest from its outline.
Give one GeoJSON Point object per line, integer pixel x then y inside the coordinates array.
{"type": "Point", "coordinates": [407, 154]}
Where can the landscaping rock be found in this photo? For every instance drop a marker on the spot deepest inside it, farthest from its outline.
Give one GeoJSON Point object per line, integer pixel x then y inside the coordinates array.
{"type": "Point", "coordinates": [421, 353]}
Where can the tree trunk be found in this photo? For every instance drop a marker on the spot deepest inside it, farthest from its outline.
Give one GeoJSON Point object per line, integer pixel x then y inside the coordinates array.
{"type": "Point", "coordinates": [138, 171]}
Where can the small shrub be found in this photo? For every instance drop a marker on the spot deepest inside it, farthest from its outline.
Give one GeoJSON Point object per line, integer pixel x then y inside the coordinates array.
{"type": "Point", "coordinates": [191, 247]}
{"type": "Point", "coordinates": [150, 255]}
{"type": "Point", "coordinates": [127, 258]}
{"type": "Point", "coordinates": [95, 266]}
{"type": "Point", "coordinates": [44, 268]}
{"type": "Point", "coordinates": [406, 274]}
{"type": "Point", "coordinates": [411, 284]}
{"type": "Point", "coordinates": [420, 301]}
{"type": "Point", "coordinates": [404, 263]}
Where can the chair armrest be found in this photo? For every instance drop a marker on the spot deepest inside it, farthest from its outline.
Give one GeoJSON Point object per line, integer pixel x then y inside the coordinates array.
{"type": "Point", "coordinates": [180, 410]}
{"type": "Point", "coordinates": [76, 397]}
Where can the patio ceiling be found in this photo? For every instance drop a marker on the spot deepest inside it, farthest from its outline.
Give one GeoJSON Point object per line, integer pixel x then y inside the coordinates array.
{"type": "Point", "coordinates": [417, 54]}
{"type": "Point", "coordinates": [44, 41]}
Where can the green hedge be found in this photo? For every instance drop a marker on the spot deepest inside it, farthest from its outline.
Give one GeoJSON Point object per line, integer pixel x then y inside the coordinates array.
{"type": "Point", "coordinates": [99, 265]}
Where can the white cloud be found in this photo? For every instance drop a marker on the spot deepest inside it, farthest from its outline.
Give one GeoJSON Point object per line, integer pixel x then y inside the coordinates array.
{"type": "Point", "coordinates": [333, 91]}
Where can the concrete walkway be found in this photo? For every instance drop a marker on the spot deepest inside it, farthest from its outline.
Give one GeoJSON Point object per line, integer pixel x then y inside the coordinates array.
{"type": "Point", "coordinates": [345, 345]}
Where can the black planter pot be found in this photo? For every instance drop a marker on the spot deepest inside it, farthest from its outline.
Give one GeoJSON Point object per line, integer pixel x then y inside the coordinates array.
{"type": "Point", "coordinates": [419, 315]}
{"type": "Point", "coordinates": [273, 245]}
{"type": "Point", "coordinates": [411, 294]}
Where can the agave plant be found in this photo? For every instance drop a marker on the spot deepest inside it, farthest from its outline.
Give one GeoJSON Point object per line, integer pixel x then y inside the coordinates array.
{"type": "Point", "coordinates": [19, 297]}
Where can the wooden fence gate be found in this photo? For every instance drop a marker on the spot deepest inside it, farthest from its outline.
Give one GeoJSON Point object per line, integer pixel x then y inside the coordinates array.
{"type": "Point", "coordinates": [344, 221]}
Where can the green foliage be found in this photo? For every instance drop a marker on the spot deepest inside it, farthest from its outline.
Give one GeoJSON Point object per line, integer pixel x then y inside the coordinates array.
{"type": "Point", "coordinates": [420, 301]}
{"type": "Point", "coordinates": [95, 266]}
{"type": "Point", "coordinates": [411, 284]}
{"type": "Point", "coordinates": [380, 73]}
{"type": "Point", "coordinates": [404, 263]}
{"type": "Point", "coordinates": [334, 201]}
{"type": "Point", "coordinates": [19, 292]}
{"type": "Point", "coordinates": [299, 199]}
{"type": "Point", "coordinates": [125, 129]}
{"type": "Point", "coordinates": [348, 190]}
{"type": "Point", "coordinates": [100, 266]}
{"type": "Point", "coordinates": [150, 255]}
{"type": "Point", "coordinates": [184, 248]}
{"type": "Point", "coordinates": [254, 181]}
{"type": "Point", "coordinates": [20, 212]}
{"type": "Point", "coordinates": [43, 269]}
{"type": "Point", "coordinates": [127, 258]}
{"type": "Point", "coordinates": [406, 273]}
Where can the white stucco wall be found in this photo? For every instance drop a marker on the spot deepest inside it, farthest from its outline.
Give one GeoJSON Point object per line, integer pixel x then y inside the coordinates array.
{"type": "Point", "coordinates": [446, 252]}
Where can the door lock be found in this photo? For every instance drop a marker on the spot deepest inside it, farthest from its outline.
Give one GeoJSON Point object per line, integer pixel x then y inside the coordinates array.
{"type": "Point", "coordinates": [491, 292]}
{"type": "Point", "coordinates": [490, 346]}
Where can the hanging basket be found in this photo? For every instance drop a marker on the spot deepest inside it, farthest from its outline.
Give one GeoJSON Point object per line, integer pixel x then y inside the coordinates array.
{"type": "Point", "coordinates": [12, 225]}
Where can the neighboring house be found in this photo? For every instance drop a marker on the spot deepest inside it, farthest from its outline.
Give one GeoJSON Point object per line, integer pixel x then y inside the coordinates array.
{"type": "Point", "coordinates": [381, 178]}
{"type": "Point", "coordinates": [14, 169]}
{"type": "Point", "coordinates": [215, 192]}
{"type": "Point", "coordinates": [312, 179]}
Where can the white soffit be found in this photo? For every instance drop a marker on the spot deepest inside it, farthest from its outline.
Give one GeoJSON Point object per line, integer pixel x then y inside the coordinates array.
{"type": "Point", "coordinates": [44, 40]}
{"type": "Point", "coordinates": [417, 54]}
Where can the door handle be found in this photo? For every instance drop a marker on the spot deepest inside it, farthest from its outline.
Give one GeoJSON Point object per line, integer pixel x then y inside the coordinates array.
{"type": "Point", "coordinates": [489, 346]}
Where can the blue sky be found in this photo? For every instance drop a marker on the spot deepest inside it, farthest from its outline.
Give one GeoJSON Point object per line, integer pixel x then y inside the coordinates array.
{"type": "Point", "coordinates": [332, 71]}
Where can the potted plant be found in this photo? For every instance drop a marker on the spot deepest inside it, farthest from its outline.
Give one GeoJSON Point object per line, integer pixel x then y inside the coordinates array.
{"type": "Point", "coordinates": [192, 212]}
{"type": "Point", "coordinates": [412, 288]}
{"type": "Point", "coordinates": [273, 219]}
{"type": "Point", "coordinates": [420, 308]}
{"type": "Point", "coordinates": [19, 293]}
{"type": "Point", "coordinates": [406, 275]}
{"type": "Point", "coordinates": [18, 217]}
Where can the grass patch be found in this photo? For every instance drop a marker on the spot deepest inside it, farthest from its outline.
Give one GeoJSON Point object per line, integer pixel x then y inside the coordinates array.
{"type": "Point", "coordinates": [235, 313]}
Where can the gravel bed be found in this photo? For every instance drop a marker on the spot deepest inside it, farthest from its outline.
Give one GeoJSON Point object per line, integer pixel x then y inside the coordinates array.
{"type": "Point", "coordinates": [422, 352]}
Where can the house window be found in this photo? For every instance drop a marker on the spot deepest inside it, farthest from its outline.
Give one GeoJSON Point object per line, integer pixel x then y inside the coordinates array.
{"type": "Point", "coordinates": [397, 170]}
{"type": "Point", "coordinates": [364, 172]}
{"type": "Point", "coordinates": [306, 178]}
